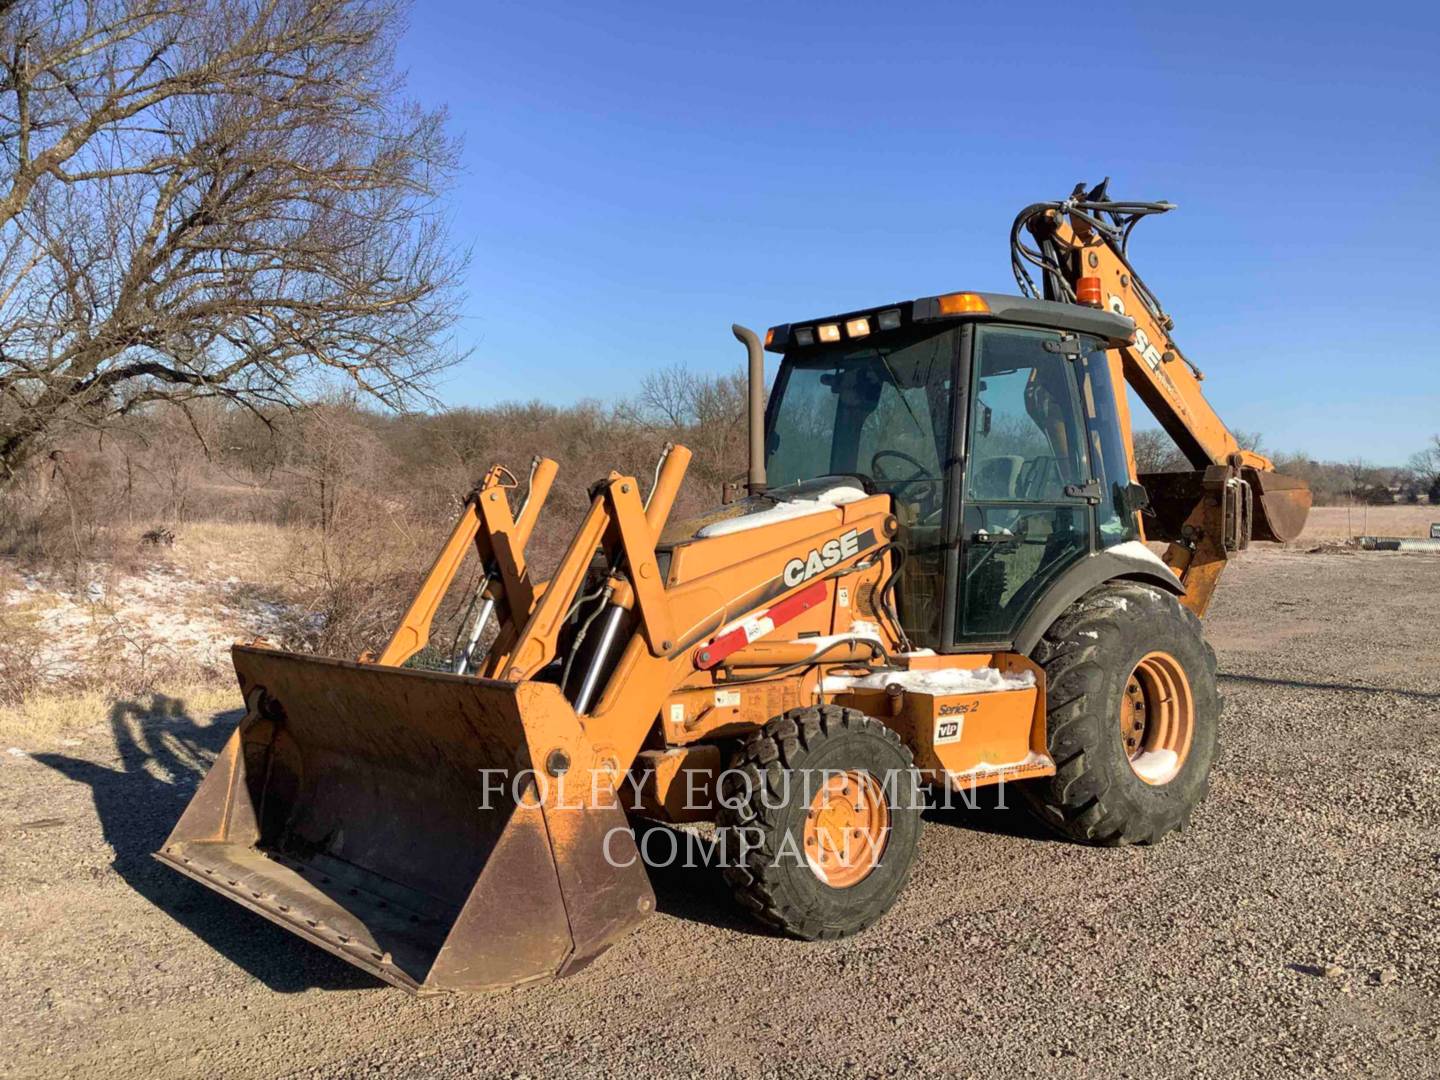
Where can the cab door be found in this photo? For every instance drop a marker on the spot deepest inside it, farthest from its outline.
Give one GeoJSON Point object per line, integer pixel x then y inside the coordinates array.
{"type": "Point", "coordinates": [1027, 492]}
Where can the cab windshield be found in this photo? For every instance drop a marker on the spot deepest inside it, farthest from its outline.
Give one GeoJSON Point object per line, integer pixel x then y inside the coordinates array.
{"type": "Point", "coordinates": [879, 411]}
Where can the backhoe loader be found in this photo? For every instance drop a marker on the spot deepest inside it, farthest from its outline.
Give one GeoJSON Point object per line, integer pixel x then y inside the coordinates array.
{"type": "Point", "coordinates": [937, 579]}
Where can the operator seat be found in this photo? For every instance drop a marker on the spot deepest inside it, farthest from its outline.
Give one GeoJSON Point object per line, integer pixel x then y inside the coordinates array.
{"type": "Point", "coordinates": [996, 477]}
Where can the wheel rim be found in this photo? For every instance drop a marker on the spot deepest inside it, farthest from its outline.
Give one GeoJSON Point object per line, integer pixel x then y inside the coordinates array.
{"type": "Point", "coordinates": [1157, 718]}
{"type": "Point", "coordinates": [846, 828]}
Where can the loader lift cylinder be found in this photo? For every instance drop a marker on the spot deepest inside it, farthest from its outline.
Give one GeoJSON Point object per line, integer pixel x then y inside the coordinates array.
{"type": "Point", "coordinates": [598, 665]}
{"type": "Point", "coordinates": [467, 661]}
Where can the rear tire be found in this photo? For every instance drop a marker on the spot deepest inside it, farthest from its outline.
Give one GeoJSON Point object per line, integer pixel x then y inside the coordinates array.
{"type": "Point", "coordinates": [1131, 711]}
{"type": "Point", "coordinates": [805, 778]}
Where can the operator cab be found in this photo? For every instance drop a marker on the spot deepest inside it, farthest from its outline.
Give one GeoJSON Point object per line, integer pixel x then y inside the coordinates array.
{"type": "Point", "coordinates": [992, 421]}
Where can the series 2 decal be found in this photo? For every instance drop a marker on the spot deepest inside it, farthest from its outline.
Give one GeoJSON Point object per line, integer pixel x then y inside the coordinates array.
{"type": "Point", "coordinates": [950, 723]}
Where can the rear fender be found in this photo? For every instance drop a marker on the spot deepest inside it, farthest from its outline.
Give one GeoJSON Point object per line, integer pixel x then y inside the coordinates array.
{"type": "Point", "coordinates": [1122, 561]}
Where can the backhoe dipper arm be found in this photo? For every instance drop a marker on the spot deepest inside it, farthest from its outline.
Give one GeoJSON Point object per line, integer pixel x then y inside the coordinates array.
{"type": "Point", "coordinates": [1234, 493]}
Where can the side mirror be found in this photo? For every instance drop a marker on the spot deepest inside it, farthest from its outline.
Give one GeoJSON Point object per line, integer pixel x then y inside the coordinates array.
{"type": "Point", "coordinates": [1135, 497]}
{"type": "Point", "coordinates": [986, 413]}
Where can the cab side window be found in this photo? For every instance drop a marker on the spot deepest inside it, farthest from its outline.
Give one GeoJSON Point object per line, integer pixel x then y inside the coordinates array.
{"type": "Point", "coordinates": [1099, 379]}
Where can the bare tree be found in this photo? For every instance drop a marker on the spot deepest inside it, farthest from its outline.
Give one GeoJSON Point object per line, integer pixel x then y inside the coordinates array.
{"type": "Point", "coordinates": [1156, 452]}
{"type": "Point", "coordinates": [212, 198]}
{"type": "Point", "coordinates": [1425, 464]}
{"type": "Point", "coordinates": [1253, 441]}
{"type": "Point", "coordinates": [667, 396]}
{"type": "Point", "coordinates": [707, 412]}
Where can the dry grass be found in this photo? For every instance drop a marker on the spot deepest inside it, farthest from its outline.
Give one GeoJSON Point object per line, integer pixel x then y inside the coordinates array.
{"type": "Point", "coordinates": [71, 648]}
{"type": "Point", "coordinates": [111, 631]}
{"type": "Point", "coordinates": [1337, 522]}
{"type": "Point", "coordinates": [23, 667]}
{"type": "Point", "coordinates": [250, 551]}
{"type": "Point", "coordinates": [45, 720]}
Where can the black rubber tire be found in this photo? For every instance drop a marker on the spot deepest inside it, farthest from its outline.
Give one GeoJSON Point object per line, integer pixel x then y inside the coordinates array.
{"type": "Point", "coordinates": [1088, 655]}
{"type": "Point", "coordinates": [764, 798]}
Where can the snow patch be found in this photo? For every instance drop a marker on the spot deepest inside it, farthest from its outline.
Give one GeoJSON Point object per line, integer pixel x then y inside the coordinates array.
{"type": "Point", "coordinates": [938, 683]}
{"type": "Point", "coordinates": [1134, 549]}
{"type": "Point", "coordinates": [865, 631]}
{"type": "Point", "coordinates": [1029, 760]}
{"type": "Point", "coordinates": [156, 608]}
{"type": "Point", "coordinates": [784, 511]}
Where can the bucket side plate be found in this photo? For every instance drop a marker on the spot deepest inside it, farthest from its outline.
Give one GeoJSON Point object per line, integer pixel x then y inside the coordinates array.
{"type": "Point", "coordinates": [395, 818]}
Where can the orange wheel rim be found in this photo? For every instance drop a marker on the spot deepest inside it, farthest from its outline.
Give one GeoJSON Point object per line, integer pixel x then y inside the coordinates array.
{"type": "Point", "coordinates": [846, 828]}
{"type": "Point", "coordinates": [1157, 718]}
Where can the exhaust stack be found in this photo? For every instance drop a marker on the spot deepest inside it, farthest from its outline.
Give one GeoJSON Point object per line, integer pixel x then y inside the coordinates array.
{"type": "Point", "coordinates": [755, 481]}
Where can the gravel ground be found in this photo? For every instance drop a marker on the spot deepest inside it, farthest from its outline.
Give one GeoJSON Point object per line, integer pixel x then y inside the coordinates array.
{"type": "Point", "coordinates": [1291, 931]}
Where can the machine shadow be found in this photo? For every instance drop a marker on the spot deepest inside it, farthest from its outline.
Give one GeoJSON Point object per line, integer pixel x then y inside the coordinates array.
{"type": "Point", "coordinates": [685, 867]}
{"type": "Point", "coordinates": [164, 754]}
{"type": "Point", "coordinates": [685, 872]}
{"type": "Point", "coordinates": [1355, 688]}
{"type": "Point", "coordinates": [996, 809]}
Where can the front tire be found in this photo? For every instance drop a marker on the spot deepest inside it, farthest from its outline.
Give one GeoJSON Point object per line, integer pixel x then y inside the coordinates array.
{"type": "Point", "coordinates": [1132, 713]}
{"type": "Point", "coordinates": [819, 822]}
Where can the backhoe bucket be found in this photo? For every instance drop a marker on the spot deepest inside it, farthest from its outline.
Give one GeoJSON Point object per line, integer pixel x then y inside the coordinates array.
{"type": "Point", "coordinates": [443, 833]}
{"type": "Point", "coordinates": [1274, 509]}
{"type": "Point", "coordinates": [1282, 503]}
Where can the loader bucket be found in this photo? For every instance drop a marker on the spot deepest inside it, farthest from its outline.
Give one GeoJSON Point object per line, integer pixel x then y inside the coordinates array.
{"type": "Point", "coordinates": [406, 822]}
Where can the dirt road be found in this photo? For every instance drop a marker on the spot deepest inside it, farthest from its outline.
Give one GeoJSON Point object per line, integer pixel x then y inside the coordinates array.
{"type": "Point", "coordinates": [1293, 930]}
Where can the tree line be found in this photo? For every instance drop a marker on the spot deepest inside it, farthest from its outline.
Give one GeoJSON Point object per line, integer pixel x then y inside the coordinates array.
{"type": "Point", "coordinates": [1332, 483]}
{"type": "Point", "coordinates": [224, 256]}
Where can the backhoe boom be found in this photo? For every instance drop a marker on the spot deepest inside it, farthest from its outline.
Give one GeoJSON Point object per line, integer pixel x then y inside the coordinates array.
{"type": "Point", "coordinates": [1234, 494]}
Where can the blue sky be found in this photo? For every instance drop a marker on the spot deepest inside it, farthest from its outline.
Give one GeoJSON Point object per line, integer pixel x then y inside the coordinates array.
{"type": "Point", "coordinates": [638, 176]}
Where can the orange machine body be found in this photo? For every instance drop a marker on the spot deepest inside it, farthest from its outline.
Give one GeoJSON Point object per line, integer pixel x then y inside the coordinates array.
{"type": "Point", "coordinates": [467, 830]}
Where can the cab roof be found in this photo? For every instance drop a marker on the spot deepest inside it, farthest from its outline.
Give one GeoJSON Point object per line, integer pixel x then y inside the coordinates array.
{"type": "Point", "coordinates": [951, 307]}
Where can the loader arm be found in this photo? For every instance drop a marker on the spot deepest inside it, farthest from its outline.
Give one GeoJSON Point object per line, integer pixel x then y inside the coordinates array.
{"type": "Point", "coordinates": [1232, 494]}
{"type": "Point", "coordinates": [499, 538]}
{"type": "Point", "coordinates": [449, 832]}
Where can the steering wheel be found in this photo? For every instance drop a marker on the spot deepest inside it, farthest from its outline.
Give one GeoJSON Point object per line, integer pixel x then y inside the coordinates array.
{"type": "Point", "coordinates": [899, 484]}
